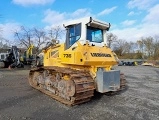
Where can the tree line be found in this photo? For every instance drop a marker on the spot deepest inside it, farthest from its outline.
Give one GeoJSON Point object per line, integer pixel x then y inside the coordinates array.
{"type": "Point", "coordinates": [144, 48]}
{"type": "Point", "coordinates": [25, 37]}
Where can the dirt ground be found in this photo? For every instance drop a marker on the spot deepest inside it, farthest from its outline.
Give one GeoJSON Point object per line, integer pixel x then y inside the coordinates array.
{"type": "Point", "coordinates": [140, 101]}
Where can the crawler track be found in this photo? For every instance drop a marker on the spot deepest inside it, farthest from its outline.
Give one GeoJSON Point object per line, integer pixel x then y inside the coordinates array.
{"type": "Point", "coordinates": [68, 86]}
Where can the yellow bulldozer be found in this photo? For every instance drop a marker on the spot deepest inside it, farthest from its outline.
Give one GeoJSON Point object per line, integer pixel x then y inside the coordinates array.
{"type": "Point", "coordinates": [74, 70]}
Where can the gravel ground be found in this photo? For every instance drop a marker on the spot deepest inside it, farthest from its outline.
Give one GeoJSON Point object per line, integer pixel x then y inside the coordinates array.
{"type": "Point", "coordinates": [140, 101]}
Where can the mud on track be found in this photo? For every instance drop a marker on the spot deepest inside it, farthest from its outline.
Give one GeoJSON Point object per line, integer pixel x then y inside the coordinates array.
{"type": "Point", "coordinates": [19, 101]}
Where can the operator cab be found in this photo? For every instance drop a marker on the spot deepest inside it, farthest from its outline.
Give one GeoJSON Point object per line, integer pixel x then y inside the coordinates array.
{"type": "Point", "coordinates": [86, 30]}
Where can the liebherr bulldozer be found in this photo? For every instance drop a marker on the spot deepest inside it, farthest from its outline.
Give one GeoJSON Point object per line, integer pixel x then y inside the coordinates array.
{"type": "Point", "coordinates": [74, 70]}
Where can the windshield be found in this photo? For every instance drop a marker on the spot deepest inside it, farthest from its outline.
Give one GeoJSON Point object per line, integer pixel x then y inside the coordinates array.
{"type": "Point", "coordinates": [94, 34]}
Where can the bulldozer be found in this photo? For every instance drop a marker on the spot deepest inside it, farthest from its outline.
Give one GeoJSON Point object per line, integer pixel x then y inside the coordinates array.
{"type": "Point", "coordinates": [74, 70]}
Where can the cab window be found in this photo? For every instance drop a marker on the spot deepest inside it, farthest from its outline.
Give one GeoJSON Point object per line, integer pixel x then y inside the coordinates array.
{"type": "Point", "coordinates": [94, 34]}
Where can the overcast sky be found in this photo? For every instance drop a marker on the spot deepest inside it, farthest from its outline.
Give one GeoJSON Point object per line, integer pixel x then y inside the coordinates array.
{"type": "Point", "coordinates": [130, 19]}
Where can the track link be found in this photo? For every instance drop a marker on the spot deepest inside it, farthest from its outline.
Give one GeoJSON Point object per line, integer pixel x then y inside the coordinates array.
{"type": "Point", "coordinates": [76, 89]}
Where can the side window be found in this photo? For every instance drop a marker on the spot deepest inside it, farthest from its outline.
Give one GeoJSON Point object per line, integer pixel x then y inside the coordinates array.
{"type": "Point", "coordinates": [74, 33]}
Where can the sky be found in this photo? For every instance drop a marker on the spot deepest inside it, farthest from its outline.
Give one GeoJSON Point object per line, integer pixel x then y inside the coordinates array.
{"type": "Point", "coordinates": [130, 19]}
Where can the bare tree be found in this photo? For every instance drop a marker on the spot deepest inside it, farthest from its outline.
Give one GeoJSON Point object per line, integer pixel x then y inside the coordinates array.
{"type": "Point", "coordinates": [4, 44]}
{"type": "Point", "coordinates": [156, 48]}
{"type": "Point", "coordinates": [40, 38]}
{"type": "Point", "coordinates": [120, 47]}
{"type": "Point", "coordinates": [127, 47]}
{"type": "Point", "coordinates": [31, 36]}
{"type": "Point", "coordinates": [24, 36]}
{"type": "Point", "coordinates": [37, 37]}
{"type": "Point", "coordinates": [148, 42]}
{"type": "Point", "coordinates": [56, 32]}
{"type": "Point", "coordinates": [141, 46]}
{"type": "Point", "coordinates": [111, 38]}
{"type": "Point", "coordinates": [149, 47]}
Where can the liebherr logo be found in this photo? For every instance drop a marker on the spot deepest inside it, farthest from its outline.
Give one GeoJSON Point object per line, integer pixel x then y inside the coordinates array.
{"type": "Point", "coordinates": [100, 55]}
